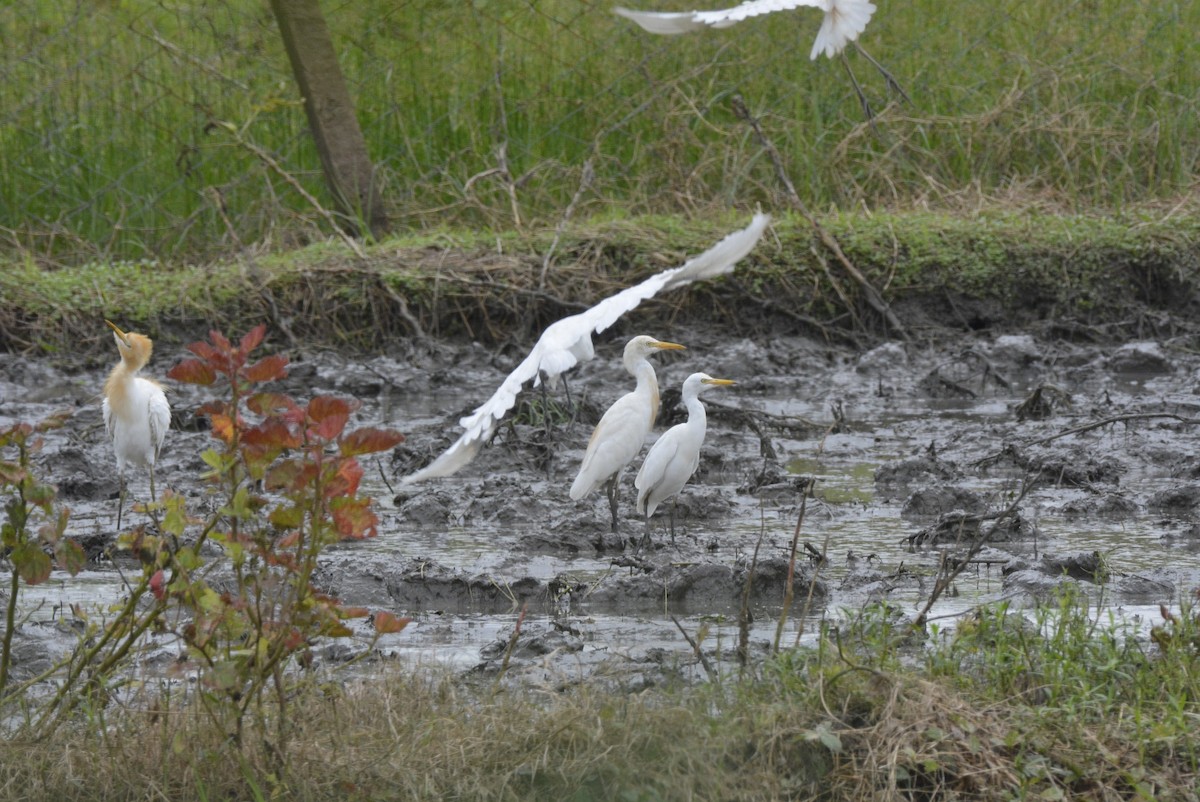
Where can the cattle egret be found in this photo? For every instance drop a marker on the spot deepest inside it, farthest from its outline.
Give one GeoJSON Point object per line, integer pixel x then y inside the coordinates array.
{"type": "Point", "coordinates": [675, 456]}
{"type": "Point", "coordinates": [136, 412]}
{"type": "Point", "coordinates": [843, 22]}
{"type": "Point", "coordinates": [568, 342]}
{"type": "Point", "coordinates": [622, 431]}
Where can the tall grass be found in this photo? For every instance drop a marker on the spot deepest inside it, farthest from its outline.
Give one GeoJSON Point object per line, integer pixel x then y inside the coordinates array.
{"type": "Point", "coordinates": [486, 114]}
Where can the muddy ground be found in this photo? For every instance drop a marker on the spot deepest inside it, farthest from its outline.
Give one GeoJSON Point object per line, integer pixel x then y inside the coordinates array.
{"type": "Point", "coordinates": [914, 449]}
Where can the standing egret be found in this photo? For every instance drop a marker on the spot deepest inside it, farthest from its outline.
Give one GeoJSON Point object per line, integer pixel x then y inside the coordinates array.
{"type": "Point", "coordinates": [568, 342]}
{"type": "Point", "coordinates": [622, 430]}
{"type": "Point", "coordinates": [843, 22]}
{"type": "Point", "coordinates": [675, 456]}
{"type": "Point", "coordinates": [136, 412]}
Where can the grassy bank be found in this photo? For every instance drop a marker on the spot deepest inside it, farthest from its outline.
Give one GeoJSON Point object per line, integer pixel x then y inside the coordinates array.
{"type": "Point", "coordinates": [1088, 275]}
{"type": "Point", "coordinates": [1058, 704]}
{"type": "Point", "coordinates": [136, 130]}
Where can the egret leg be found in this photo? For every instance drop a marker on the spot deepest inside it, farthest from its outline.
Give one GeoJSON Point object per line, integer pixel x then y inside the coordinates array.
{"type": "Point", "coordinates": [892, 84]}
{"type": "Point", "coordinates": [153, 498]}
{"type": "Point", "coordinates": [613, 491]}
{"type": "Point", "coordinates": [120, 500]}
{"type": "Point", "coordinates": [866, 106]}
{"type": "Point", "coordinates": [672, 521]}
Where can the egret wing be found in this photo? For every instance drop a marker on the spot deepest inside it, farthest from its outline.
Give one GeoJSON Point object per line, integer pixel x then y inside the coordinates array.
{"type": "Point", "coordinates": [663, 22]}
{"type": "Point", "coordinates": [159, 410]}
{"type": "Point", "coordinates": [730, 16]}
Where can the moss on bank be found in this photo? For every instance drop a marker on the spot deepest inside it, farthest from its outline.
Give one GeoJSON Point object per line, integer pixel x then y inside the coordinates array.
{"type": "Point", "coordinates": [994, 270]}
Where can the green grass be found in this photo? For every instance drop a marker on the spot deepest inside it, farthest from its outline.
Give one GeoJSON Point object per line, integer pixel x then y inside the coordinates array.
{"type": "Point", "coordinates": [1061, 702]}
{"type": "Point", "coordinates": [1031, 266]}
{"type": "Point", "coordinates": [108, 148]}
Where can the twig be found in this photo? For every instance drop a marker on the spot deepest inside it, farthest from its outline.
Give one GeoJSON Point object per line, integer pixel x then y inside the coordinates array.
{"type": "Point", "coordinates": [1086, 427]}
{"type": "Point", "coordinates": [981, 539]}
{"type": "Point", "coordinates": [874, 299]}
{"type": "Point", "coordinates": [708, 669]}
{"type": "Point", "coordinates": [589, 175]}
{"type": "Point", "coordinates": [276, 168]}
{"type": "Point", "coordinates": [787, 588]}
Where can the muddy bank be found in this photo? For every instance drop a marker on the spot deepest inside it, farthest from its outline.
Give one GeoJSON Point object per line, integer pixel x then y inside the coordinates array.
{"type": "Point", "coordinates": [1076, 463]}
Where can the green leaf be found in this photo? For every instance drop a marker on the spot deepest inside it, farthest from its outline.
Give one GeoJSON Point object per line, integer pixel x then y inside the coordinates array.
{"type": "Point", "coordinates": [289, 517]}
{"type": "Point", "coordinates": [70, 556]}
{"type": "Point", "coordinates": [31, 563]}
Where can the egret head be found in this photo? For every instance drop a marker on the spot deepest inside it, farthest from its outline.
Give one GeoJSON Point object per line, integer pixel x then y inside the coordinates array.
{"type": "Point", "coordinates": [697, 383]}
{"type": "Point", "coordinates": [643, 346]}
{"type": "Point", "coordinates": [135, 348]}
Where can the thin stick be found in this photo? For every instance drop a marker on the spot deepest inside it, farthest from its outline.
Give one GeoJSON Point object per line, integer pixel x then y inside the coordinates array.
{"type": "Point", "coordinates": [828, 240]}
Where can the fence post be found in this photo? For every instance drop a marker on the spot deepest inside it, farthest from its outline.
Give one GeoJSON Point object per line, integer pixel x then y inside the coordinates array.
{"type": "Point", "coordinates": [331, 118]}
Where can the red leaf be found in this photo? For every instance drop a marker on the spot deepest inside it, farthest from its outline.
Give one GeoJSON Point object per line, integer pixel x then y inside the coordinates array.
{"type": "Point", "coordinates": [192, 371]}
{"type": "Point", "coordinates": [222, 427]}
{"type": "Point", "coordinates": [345, 480]}
{"type": "Point", "coordinates": [271, 433]}
{"type": "Point", "coordinates": [204, 351]}
{"type": "Point", "coordinates": [270, 403]}
{"type": "Point", "coordinates": [330, 416]}
{"type": "Point", "coordinates": [270, 368]}
{"type": "Point", "coordinates": [156, 585]}
{"type": "Point", "coordinates": [387, 623]}
{"type": "Point", "coordinates": [11, 473]}
{"type": "Point", "coordinates": [369, 440]}
{"type": "Point", "coordinates": [253, 338]}
{"type": "Point", "coordinates": [353, 612]}
{"type": "Point", "coordinates": [353, 518]}
{"type": "Point", "coordinates": [219, 340]}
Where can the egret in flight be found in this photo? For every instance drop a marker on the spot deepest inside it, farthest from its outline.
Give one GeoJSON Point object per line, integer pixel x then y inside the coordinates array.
{"type": "Point", "coordinates": [136, 412]}
{"type": "Point", "coordinates": [675, 456]}
{"type": "Point", "coordinates": [622, 431]}
{"type": "Point", "coordinates": [843, 22]}
{"type": "Point", "coordinates": [568, 342]}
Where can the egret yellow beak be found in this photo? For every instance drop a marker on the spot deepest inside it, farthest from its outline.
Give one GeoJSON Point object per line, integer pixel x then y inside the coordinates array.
{"type": "Point", "coordinates": [124, 337]}
{"type": "Point", "coordinates": [719, 382]}
{"type": "Point", "coordinates": [669, 346]}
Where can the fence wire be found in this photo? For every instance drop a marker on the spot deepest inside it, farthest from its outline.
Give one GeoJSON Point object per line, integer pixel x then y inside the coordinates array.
{"type": "Point", "coordinates": [174, 130]}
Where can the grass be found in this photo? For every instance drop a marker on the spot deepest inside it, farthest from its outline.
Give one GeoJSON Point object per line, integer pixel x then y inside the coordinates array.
{"type": "Point", "coordinates": [1057, 703]}
{"type": "Point", "coordinates": [1020, 267]}
{"type": "Point", "coordinates": [110, 147]}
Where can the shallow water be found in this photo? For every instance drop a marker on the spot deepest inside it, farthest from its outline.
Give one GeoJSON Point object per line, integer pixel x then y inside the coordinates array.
{"type": "Point", "coordinates": [504, 523]}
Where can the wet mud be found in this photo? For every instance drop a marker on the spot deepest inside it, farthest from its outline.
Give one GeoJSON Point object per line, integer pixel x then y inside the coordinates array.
{"type": "Point", "coordinates": [1024, 464]}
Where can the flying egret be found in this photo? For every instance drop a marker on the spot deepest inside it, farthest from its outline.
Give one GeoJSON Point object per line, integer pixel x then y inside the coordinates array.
{"type": "Point", "coordinates": [136, 412]}
{"type": "Point", "coordinates": [843, 22]}
{"type": "Point", "coordinates": [622, 430]}
{"type": "Point", "coordinates": [675, 456]}
{"type": "Point", "coordinates": [568, 342]}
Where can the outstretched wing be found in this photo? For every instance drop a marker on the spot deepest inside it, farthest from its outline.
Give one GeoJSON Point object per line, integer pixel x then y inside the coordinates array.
{"type": "Point", "coordinates": [566, 342]}
{"type": "Point", "coordinates": [844, 20]}
{"type": "Point", "coordinates": [682, 22]}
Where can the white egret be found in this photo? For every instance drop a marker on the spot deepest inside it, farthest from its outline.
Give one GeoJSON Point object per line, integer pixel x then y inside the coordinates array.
{"type": "Point", "coordinates": [567, 342]}
{"type": "Point", "coordinates": [675, 456]}
{"type": "Point", "coordinates": [621, 432]}
{"type": "Point", "coordinates": [843, 22]}
{"type": "Point", "coordinates": [136, 412]}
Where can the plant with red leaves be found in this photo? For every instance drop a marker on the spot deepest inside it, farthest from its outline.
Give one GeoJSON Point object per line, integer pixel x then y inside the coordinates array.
{"type": "Point", "coordinates": [288, 474]}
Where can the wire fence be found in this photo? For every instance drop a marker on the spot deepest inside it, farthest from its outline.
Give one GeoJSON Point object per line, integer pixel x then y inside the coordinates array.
{"type": "Point", "coordinates": [140, 130]}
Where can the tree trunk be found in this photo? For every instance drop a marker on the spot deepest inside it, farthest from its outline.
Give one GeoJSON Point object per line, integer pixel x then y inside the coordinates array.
{"type": "Point", "coordinates": [340, 144]}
